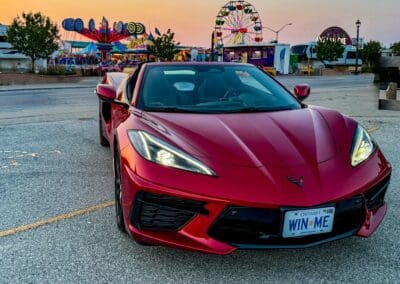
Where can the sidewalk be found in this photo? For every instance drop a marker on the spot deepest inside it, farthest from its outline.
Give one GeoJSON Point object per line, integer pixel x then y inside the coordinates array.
{"type": "Point", "coordinates": [85, 83]}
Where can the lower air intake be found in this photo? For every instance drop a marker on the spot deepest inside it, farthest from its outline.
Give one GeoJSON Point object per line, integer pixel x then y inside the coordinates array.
{"type": "Point", "coordinates": [164, 213]}
{"type": "Point", "coordinates": [376, 195]}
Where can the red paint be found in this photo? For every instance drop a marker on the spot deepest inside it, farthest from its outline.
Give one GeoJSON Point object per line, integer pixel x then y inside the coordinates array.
{"type": "Point", "coordinates": [106, 92]}
{"type": "Point", "coordinates": [302, 91]}
{"type": "Point", "coordinates": [252, 154]}
{"type": "Point", "coordinates": [373, 220]}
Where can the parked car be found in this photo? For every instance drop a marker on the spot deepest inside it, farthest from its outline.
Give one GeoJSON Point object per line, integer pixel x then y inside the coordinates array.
{"type": "Point", "coordinates": [215, 157]}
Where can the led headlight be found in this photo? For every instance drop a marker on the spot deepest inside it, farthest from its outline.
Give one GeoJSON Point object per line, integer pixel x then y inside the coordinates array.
{"type": "Point", "coordinates": [363, 146]}
{"type": "Point", "coordinates": [155, 150]}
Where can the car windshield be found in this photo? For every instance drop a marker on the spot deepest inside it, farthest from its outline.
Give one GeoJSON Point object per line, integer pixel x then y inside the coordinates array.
{"type": "Point", "coordinates": [212, 89]}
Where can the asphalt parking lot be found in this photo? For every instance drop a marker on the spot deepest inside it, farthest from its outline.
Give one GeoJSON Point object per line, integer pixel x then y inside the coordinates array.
{"type": "Point", "coordinates": [51, 164]}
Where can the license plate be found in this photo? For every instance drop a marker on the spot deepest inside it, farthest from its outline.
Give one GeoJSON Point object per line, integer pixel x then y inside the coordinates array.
{"type": "Point", "coordinates": [301, 223]}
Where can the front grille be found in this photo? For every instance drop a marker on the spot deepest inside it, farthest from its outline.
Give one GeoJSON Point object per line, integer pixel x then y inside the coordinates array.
{"type": "Point", "coordinates": [241, 226]}
{"type": "Point", "coordinates": [164, 213]}
{"type": "Point", "coordinates": [376, 195]}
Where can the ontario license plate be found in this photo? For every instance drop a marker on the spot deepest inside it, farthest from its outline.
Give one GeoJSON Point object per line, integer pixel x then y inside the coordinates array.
{"type": "Point", "coordinates": [301, 223]}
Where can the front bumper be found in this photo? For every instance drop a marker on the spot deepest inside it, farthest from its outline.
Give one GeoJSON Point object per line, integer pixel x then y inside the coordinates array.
{"type": "Point", "coordinates": [165, 216]}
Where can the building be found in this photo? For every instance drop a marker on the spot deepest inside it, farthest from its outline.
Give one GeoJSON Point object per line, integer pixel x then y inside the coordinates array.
{"type": "Point", "coordinates": [11, 60]}
{"type": "Point", "coordinates": [308, 51]}
{"type": "Point", "coordinates": [387, 52]}
{"type": "Point", "coordinates": [269, 55]}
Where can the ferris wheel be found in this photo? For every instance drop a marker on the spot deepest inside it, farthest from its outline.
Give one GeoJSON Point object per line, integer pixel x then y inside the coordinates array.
{"type": "Point", "coordinates": [238, 22]}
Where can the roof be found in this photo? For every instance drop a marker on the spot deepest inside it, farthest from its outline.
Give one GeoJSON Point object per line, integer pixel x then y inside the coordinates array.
{"type": "Point", "coordinates": [182, 47]}
{"type": "Point", "coordinates": [12, 56]}
{"type": "Point", "coordinates": [78, 44]}
{"type": "Point", "coordinates": [197, 63]}
{"type": "Point", "coordinates": [256, 45]}
{"type": "Point", "coordinates": [91, 48]}
{"type": "Point", "coordinates": [136, 51]}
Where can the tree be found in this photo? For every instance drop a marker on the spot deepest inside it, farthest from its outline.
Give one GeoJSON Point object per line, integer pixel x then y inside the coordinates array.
{"type": "Point", "coordinates": [33, 35]}
{"type": "Point", "coordinates": [164, 47]}
{"type": "Point", "coordinates": [329, 50]}
{"type": "Point", "coordinates": [371, 53]}
{"type": "Point", "coordinates": [396, 48]}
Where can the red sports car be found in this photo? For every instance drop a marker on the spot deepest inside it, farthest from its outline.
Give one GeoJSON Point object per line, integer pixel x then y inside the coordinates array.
{"type": "Point", "coordinates": [216, 157]}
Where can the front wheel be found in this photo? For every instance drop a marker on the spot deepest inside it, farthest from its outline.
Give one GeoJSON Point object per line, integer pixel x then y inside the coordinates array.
{"type": "Point", "coordinates": [118, 194]}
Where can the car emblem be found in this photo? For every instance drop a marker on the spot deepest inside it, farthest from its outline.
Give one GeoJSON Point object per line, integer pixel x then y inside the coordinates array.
{"type": "Point", "coordinates": [298, 182]}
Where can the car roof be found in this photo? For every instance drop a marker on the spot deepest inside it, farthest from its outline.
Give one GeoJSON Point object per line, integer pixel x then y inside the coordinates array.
{"type": "Point", "coordinates": [196, 64]}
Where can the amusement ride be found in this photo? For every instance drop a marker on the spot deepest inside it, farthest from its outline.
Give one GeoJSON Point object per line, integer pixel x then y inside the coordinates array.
{"type": "Point", "coordinates": [104, 35]}
{"type": "Point", "coordinates": [238, 22]}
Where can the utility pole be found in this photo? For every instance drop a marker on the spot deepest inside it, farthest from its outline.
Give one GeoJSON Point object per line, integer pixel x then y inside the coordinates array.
{"type": "Point", "coordinates": [212, 46]}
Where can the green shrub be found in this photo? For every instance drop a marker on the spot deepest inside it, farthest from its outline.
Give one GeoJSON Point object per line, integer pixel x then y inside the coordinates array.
{"type": "Point", "coordinates": [366, 69]}
{"type": "Point", "coordinates": [58, 70]}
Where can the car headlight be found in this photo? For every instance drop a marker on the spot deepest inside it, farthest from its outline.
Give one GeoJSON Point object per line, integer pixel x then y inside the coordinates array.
{"type": "Point", "coordinates": [363, 146]}
{"type": "Point", "coordinates": [155, 150]}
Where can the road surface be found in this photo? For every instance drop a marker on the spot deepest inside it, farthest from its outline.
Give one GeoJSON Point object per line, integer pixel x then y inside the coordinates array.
{"type": "Point", "coordinates": [51, 164]}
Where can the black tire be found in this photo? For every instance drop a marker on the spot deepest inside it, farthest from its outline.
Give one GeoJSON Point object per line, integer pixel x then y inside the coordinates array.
{"type": "Point", "coordinates": [102, 139]}
{"type": "Point", "coordinates": [118, 196]}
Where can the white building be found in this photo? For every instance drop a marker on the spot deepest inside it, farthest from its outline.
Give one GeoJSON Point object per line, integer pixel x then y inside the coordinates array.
{"type": "Point", "coordinates": [11, 60]}
{"type": "Point", "coordinates": [273, 55]}
{"type": "Point", "coordinates": [308, 51]}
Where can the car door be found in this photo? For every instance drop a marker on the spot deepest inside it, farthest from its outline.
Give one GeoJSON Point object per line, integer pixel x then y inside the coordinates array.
{"type": "Point", "coordinates": [121, 109]}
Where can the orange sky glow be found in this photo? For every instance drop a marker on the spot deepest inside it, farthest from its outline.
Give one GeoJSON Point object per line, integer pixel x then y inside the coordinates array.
{"type": "Point", "coordinates": [193, 20]}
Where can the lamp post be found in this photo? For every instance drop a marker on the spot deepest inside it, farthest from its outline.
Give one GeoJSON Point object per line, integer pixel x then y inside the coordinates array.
{"type": "Point", "coordinates": [212, 46]}
{"type": "Point", "coordinates": [358, 24]}
{"type": "Point", "coordinates": [278, 31]}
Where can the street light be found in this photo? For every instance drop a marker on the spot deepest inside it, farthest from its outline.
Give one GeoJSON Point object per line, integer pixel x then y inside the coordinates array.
{"type": "Point", "coordinates": [278, 31]}
{"type": "Point", "coordinates": [358, 24]}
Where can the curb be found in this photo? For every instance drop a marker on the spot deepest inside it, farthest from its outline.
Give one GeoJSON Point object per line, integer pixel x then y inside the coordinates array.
{"type": "Point", "coordinates": [45, 88]}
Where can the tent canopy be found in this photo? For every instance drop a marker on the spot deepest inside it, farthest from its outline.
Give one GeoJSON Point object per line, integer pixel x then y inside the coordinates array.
{"type": "Point", "coordinates": [91, 48]}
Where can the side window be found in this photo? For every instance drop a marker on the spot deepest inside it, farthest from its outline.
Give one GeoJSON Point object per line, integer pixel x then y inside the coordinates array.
{"type": "Point", "coordinates": [132, 84]}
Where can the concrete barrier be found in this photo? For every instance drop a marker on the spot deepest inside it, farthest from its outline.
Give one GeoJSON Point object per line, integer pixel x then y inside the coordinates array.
{"type": "Point", "coordinates": [389, 99]}
{"type": "Point", "coordinates": [389, 104]}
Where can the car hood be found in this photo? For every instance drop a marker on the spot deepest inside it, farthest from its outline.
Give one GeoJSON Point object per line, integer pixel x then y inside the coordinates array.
{"type": "Point", "coordinates": [276, 139]}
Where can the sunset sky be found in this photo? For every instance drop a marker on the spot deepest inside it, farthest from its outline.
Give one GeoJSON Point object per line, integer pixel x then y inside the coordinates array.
{"type": "Point", "coordinates": [193, 20]}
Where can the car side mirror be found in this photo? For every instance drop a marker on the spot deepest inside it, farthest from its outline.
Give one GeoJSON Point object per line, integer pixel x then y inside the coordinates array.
{"type": "Point", "coordinates": [302, 91]}
{"type": "Point", "coordinates": [106, 92]}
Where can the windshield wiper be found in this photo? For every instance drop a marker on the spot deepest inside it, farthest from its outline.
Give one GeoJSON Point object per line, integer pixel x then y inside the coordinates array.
{"type": "Point", "coordinates": [256, 109]}
{"type": "Point", "coordinates": [247, 109]}
{"type": "Point", "coordinates": [170, 109]}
